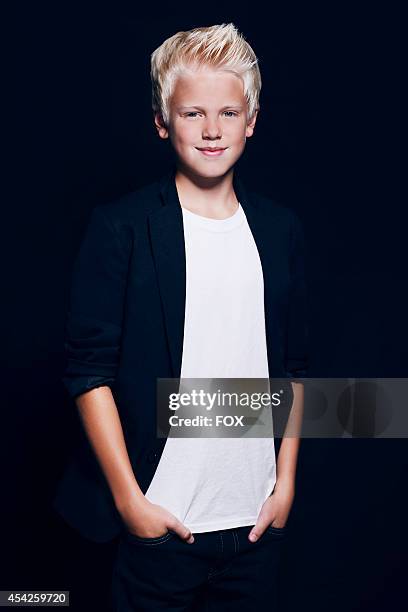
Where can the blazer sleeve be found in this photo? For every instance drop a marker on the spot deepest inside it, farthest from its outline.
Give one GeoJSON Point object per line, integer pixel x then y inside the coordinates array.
{"type": "Point", "coordinates": [296, 354]}
{"type": "Point", "coordinates": [96, 302]}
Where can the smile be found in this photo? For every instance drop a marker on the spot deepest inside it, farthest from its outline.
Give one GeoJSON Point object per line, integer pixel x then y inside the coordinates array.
{"type": "Point", "coordinates": [211, 152]}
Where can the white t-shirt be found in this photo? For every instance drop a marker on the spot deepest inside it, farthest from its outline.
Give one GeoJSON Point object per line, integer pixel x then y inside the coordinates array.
{"type": "Point", "coordinates": [219, 483]}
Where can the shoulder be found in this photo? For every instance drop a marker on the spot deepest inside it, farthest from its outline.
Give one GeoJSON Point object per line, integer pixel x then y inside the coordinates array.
{"type": "Point", "coordinates": [132, 207]}
{"type": "Point", "coordinates": [276, 211]}
{"type": "Point", "coordinates": [125, 217]}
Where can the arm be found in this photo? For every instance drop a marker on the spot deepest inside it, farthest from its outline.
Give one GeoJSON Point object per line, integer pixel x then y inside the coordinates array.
{"type": "Point", "coordinates": [277, 507]}
{"type": "Point", "coordinates": [296, 362]}
{"type": "Point", "coordinates": [92, 345]}
{"type": "Point", "coordinates": [100, 419]}
{"type": "Point", "coordinates": [284, 490]}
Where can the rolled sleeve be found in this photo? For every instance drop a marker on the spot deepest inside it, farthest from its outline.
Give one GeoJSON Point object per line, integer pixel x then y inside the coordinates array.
{"type": "Point", "coordinates": [296, 356]}
{"type": "Point", "coordinates": [93, 322]}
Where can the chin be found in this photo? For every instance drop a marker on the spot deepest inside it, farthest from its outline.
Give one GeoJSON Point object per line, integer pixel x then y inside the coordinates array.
{"type": "Point", "coordinates": [211, 170]}
{"type": "Point", "coordinates": [211, 174]}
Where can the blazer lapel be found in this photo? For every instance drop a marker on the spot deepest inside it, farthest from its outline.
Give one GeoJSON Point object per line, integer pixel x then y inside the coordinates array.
{"type": "Point", "coordinates": [167, 239]}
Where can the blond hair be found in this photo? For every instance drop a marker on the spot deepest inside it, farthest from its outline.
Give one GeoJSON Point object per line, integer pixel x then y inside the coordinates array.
{"type": "Point", "coordinates": [220, 47]}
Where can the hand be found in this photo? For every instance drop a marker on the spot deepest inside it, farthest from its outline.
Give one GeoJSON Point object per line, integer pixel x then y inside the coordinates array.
{"type": "Point", "coordinates": [147, 520]}
{"type": "Point", "coordinates": [274, 510]}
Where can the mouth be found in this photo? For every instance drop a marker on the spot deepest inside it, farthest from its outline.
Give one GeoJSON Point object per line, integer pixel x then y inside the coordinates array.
{"type": "Point", "coordinates": [211, 151]}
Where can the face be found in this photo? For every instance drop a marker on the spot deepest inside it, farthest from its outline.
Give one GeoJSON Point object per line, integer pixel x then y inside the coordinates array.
{"type": "Point", "coordinates": [208, 124]}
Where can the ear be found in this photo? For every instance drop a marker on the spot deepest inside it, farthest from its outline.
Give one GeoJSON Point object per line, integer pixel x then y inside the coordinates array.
{"type": "Point", "coordinates": [251, 124]}
{"type": "Point", "coordinates": [160, 125]}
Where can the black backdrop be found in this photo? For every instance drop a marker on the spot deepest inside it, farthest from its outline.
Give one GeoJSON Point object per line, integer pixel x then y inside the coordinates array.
{"type": "Point", "coordinates": [82, 133]}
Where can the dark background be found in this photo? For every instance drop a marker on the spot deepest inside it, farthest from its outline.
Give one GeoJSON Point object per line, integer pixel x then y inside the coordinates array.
{"type": "Point", "coordinates": [82, 133]}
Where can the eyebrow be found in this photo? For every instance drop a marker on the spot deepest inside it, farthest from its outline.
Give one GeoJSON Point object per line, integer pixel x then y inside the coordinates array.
{"type": "Point", "coordinates": [235, 106]}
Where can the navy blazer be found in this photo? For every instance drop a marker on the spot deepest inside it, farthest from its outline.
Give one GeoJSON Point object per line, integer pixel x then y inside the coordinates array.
{"type": "Point", "coordinates": [125, 325]}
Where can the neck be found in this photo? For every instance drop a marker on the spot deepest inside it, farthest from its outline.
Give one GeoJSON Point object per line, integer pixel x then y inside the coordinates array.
{"type": "Point", "coordinates": [207, 196]}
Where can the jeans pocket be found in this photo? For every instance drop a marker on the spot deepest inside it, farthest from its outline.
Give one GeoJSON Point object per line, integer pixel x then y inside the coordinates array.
{"type": "Point", "coordinates": [275, 531]}
{"type": "Point", "coordinates": [149, 541]}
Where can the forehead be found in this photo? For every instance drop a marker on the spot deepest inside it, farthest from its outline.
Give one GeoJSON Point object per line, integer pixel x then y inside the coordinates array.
{"type": "Point", "coordinates": [207, 86]}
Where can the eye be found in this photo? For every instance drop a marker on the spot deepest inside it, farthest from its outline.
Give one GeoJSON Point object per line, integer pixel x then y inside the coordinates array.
{"type": "Point", "coordinates": [191, 114]}
{"type": "Point", "coordinates": [231, 113]}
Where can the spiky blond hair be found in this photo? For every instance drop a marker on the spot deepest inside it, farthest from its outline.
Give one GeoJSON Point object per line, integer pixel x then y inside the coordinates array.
{"type": "Point", "coordinates": [220, 47]}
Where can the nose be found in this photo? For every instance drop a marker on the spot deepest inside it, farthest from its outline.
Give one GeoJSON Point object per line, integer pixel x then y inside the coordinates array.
{"type": "Point", "coordinates": [211, 129]}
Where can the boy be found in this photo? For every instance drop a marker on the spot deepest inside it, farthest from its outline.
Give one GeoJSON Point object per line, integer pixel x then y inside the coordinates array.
{"type": "Point", "coordinates": [190, 277]}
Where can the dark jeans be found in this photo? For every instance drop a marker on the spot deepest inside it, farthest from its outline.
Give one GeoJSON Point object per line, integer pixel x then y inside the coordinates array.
{"type": "Point", "coordinates": [222, 571]}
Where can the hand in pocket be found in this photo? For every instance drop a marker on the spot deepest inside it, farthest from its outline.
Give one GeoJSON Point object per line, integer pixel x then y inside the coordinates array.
{"type": "Point", "coordinates": [147, 520]}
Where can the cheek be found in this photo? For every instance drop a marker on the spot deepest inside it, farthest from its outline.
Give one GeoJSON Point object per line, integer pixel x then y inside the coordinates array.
{"type": "Point", "coordinates": [238, 133]}
{"type": "Point", "coordinates": [240, 139]}
{"type": "Point", "coordinates": [186, 134]}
